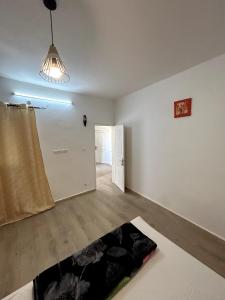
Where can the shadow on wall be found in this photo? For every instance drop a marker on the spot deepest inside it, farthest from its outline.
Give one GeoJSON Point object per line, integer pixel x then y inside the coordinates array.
{"type": "Point", "coordinates": [134, 164]}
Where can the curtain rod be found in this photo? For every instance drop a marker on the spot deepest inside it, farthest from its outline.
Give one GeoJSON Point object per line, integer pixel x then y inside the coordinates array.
{"type": "Point", "coordinates": [23, 105]}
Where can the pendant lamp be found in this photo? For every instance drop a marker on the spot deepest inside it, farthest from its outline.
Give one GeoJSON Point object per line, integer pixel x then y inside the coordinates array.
{"type": "Point", "coordinates": [53, 69]}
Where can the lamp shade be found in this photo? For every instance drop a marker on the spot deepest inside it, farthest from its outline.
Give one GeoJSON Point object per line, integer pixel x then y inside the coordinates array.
{"type": "Point", "coordinates": [53, 69]}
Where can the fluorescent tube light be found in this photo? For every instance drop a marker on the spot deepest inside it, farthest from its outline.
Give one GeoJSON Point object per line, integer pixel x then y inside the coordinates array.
{"type": "Point", "coordinates": [42, 98]}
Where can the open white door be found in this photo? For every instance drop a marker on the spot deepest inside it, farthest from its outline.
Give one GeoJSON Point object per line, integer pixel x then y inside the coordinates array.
{"type": "Point", "coordinates": [118, 172]}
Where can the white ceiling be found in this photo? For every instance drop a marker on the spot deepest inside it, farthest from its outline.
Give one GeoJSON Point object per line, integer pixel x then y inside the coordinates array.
{"type": "Point", "coordinates": [110, 47]}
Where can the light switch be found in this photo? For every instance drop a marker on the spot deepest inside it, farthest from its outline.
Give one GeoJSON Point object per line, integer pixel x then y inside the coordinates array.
{"type": "Point", "coordinates": [57, 151]}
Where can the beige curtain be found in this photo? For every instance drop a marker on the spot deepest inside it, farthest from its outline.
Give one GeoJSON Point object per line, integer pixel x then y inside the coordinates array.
{"type": "Point", "coordinates": [24, 188]}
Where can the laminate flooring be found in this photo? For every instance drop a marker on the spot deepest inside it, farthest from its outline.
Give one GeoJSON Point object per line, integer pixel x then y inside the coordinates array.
{"type": "Point", "coordinates": [30, 246]}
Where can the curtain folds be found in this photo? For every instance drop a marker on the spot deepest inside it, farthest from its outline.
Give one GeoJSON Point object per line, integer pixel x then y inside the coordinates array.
{"type": "Point", "coordinates": [24, 188]}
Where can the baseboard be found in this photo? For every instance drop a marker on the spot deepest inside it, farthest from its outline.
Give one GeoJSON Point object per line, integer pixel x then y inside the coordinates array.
{"type": "Point", "coordinates": [181, 216]}
{"type": "Point", "coordinates": [75, 195]}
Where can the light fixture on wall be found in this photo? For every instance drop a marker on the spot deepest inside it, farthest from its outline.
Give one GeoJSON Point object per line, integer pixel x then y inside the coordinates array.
{"type": "Point", "coordinates": [85, 120]}
{"type": "Point", "coordinates": [53, 69]}
{"type": "Point", "coordinates": [27, 97]}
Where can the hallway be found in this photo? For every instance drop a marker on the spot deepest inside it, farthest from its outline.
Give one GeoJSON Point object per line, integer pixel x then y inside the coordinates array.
{"type": "Point", "coordinates": [103, 175]}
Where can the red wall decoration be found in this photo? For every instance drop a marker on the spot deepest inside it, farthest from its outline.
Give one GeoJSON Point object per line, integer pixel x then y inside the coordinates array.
{"type": "Point", "coordinates": [182, 108]}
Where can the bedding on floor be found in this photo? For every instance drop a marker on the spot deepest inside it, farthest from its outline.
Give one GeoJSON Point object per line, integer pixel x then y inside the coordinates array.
{"type": "Point", "coordinates": [100, 270]}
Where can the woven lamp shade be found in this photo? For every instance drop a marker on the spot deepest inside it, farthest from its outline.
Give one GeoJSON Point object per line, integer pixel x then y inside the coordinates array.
{"type": "Point", "coordinates": [53, 69]}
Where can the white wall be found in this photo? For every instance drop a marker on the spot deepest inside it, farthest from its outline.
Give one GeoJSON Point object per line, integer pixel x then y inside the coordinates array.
{"type": "Point", "coordinates": [60, 126]}
{"type": "Point", "coordinates": [180, 163]}
{"type": "Point", "coordinates": [103, 144]}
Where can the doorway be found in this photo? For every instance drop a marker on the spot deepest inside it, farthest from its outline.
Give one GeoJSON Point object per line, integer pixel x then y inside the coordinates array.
{"type": "Point", "coordinates": [109, 156]}
{"type": "Point", "coordinates": [103, 154]}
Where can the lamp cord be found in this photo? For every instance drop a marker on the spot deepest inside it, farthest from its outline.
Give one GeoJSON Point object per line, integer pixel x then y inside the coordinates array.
{"type": "Point", "coordinates": [51, 27]}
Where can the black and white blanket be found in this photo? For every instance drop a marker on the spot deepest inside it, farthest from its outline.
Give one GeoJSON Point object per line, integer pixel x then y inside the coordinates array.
{"type": "Point", "coordinates": [98, 271]}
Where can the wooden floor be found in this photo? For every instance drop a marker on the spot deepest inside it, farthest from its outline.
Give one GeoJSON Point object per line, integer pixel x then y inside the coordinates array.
{"type": "Point", "coordinates": [30, 246]}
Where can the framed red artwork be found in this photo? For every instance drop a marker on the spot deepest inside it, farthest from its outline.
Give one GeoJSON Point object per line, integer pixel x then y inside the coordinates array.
{"type": "Point", "coordinates": [182, 108]}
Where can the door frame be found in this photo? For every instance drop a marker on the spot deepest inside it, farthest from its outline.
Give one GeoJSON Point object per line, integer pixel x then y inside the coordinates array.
{"type": "Point", "coordinates": [112, 132]}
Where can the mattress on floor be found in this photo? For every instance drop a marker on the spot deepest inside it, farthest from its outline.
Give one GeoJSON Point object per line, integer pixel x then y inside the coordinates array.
{"type": "Point", "coordinates": [171, 274]}
{"type": "Point", "coordinates": [99, 270]}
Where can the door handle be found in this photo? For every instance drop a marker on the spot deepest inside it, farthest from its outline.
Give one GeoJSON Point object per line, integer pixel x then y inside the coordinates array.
{"type": "Point", "coordinates": [122, 162]}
